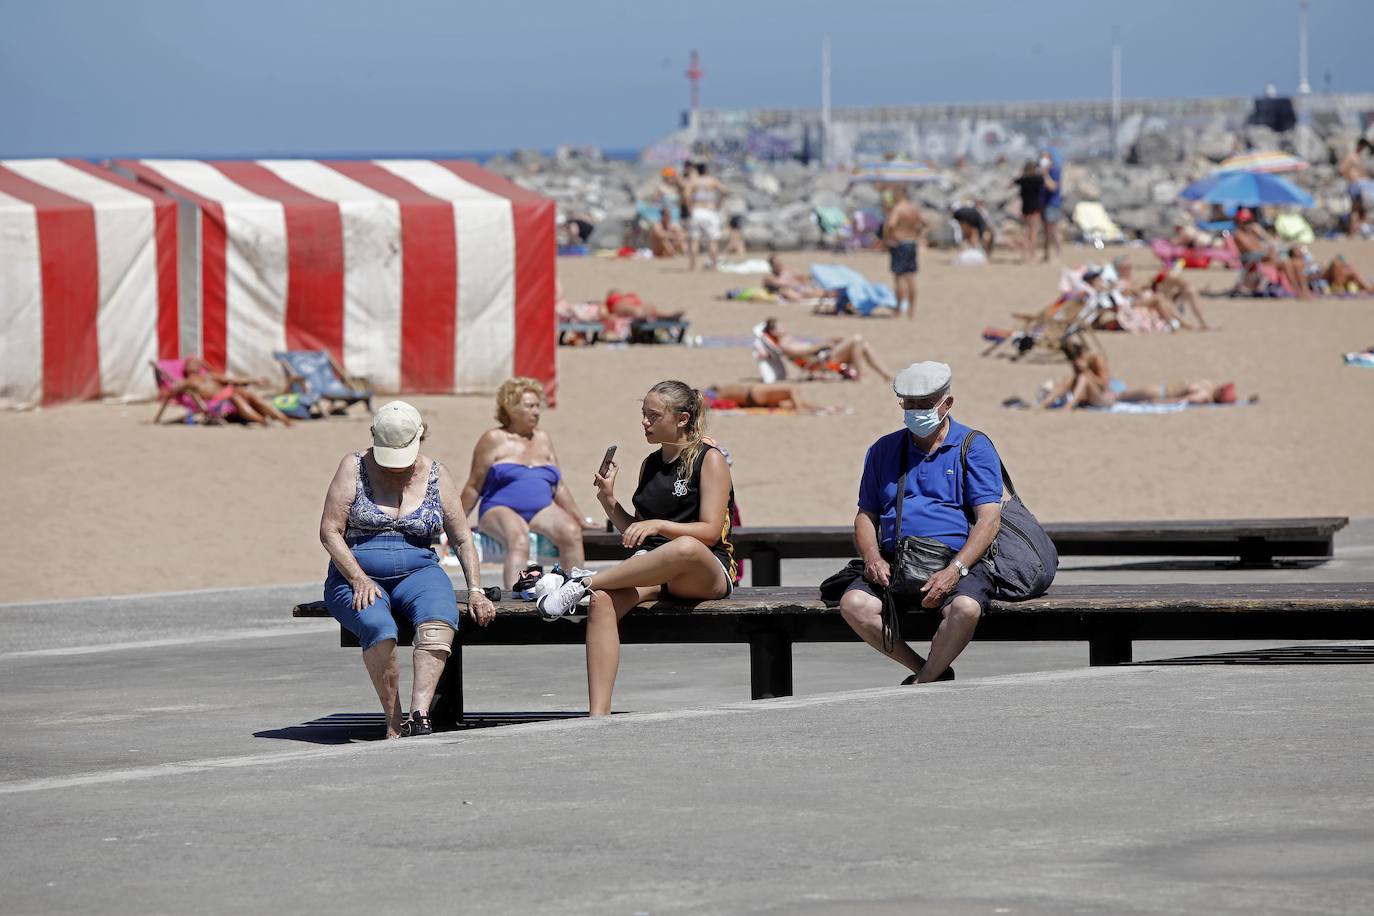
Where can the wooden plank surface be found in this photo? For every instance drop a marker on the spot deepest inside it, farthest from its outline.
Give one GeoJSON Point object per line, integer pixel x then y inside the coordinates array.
{"type": "Point", "coordinates": [1081, 599]}
{"type": "Point", "coordinates": [1307, 536]}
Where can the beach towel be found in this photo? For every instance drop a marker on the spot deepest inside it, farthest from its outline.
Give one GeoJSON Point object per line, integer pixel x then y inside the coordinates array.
{"type": "Point", "coordinates": [1360, 359]}
{"type": "Point", "coordinates": [751, 294]}
{"type": "Point", "coordinates": [751, 266]}
{"type": "Point", "coordinates": [856, 293]}
{"type": "Point", "coordinates": [1092, 220]}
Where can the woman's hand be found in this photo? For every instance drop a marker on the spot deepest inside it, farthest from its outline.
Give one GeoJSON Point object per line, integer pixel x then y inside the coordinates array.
{"type": "Point", "coordinates": [480, 608]}
{"type": "Point", "coordinates": [365, 591]}
{"type": "Point", "coordinates": [605, 486]}
{"type": "Point", "coordinates": [636, 534]}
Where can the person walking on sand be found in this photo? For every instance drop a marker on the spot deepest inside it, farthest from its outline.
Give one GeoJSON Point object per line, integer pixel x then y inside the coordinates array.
{"type": "Point", "coordinates": [679, 532]}
{"type": "Point", "coordinates": [1361, 188]}
{"type": "Point", "coordinates": [903, 233]}
{"type": "Point", "coordinates": [704, 194]}
{"type": "Point", "coordinates": [1051, 198]}
{"type": "Point", "coordinates": [945, 507]}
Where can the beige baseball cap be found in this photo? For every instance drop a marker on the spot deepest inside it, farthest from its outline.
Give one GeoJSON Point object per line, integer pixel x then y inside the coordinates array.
{"type": "Point", "coordinates": [396, 432]}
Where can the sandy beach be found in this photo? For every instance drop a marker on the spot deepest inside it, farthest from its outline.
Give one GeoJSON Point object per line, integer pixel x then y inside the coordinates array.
{"type": "Point", "coordinates": [109, 504]}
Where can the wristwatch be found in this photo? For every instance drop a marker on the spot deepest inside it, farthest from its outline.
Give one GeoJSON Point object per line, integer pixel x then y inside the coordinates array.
{"type": "Point", "coordinates": [963, 570]}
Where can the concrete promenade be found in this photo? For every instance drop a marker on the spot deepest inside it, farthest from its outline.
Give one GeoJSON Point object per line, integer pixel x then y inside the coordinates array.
{"type": "Point", "coordinates": [202, 752]}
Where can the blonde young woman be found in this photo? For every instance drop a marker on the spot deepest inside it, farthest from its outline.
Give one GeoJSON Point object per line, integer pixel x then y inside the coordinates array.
{"type": "Point", "coordinates": [679, 532]}
{"type": "Point", "coordinates": [516, 478]}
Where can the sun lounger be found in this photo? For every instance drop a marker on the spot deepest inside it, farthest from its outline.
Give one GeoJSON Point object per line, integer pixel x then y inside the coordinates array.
{"type": "Point", "coordinates": [317, 376]}
{"type": "Point", "coordinates": [579, 332]}
{"type": "Point", "coordinates": [657, 330]}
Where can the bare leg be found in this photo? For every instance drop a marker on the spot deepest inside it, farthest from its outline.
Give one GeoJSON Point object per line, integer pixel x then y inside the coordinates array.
{"type": "Point", "coordinates": [509, 528]}
{"type": "Point", "coordinates": [428, 664]}
{"type": "Point", "coordinates": [693, 246]}
{"type": "Point", "coordinates": [266, 408]}
{"type": "Point", "coordinates": [685, 564]}
{"type": "Point", "coordinates": [603, 642]}
{"type": "Point", "coordinates": [864, 614]}
{"type": "Point", "coordinates": [245, 409]}
{"type": "Point", "coordinates": [953, 634]}
{"type": "Point", "coordinates": [381, 667]}
{"type": "Point", "coordinates": [554, 523]}
{"type": "Point", "coordinates": [855, 349]}
{"type": "Point", "coordinates": [911, 295]}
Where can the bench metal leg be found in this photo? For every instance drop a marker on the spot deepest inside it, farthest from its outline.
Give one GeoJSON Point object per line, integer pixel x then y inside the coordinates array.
{"type": "Point", "coordinates": [770, 665]}
{"type": "Point", "coordinates": [446, 711]}
{"type": "Point", "coordinates": [767, 568]}
{"type": "Point", "coordinates": [1109, 647]}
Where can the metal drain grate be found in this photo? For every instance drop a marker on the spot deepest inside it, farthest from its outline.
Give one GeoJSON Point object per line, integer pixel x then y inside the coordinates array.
{"type": "Point", "coordinates": [1291, 655]}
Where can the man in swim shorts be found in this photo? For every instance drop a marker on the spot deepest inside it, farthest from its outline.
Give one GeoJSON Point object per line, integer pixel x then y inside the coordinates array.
{"type": "Point", "coordinates": [902, 233]}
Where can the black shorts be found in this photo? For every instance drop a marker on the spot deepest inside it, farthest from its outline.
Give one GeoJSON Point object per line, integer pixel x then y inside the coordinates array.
{"type": "Point", "coordinates": [903, 258]}
{"type": "Point", "coordinates": [737, 221]}
{"type": "Point", "coordinates": [976, 585]}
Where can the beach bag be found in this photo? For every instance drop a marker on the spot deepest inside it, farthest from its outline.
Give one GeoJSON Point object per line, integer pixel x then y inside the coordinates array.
{"type": "Point", "coordinates": [1024, 559]}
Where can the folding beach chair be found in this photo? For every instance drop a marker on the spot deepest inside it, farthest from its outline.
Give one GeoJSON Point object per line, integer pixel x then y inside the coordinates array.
{"type": "Point", "coordinates": [773, 362]}
{"type": "Point", "coordinates": [169, 373]}
{"type": "Point", "coordinates": [316, 376]}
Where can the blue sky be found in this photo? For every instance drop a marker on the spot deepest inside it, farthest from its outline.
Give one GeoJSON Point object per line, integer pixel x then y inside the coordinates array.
{"type": "Point", "coordinates": [291, 77]}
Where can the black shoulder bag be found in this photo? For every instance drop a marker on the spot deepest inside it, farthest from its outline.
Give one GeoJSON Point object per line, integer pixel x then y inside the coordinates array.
{"type": "Point", "coordinates": [914, 561]}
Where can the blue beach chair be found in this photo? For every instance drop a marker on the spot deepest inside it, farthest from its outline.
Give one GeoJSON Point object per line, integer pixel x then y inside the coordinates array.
{"type": "Point", "coordinates": [316, 376]}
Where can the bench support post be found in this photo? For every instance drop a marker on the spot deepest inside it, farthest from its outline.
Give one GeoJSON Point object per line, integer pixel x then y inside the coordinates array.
{"type": "Point", "coordinates": [770, 665]}
{"type": "Point", "coordinates": [767, 568]}
{"type": "Point", "coordinates": [1109, 647]}
{"type": "Point", "coordinates": [446, 711]}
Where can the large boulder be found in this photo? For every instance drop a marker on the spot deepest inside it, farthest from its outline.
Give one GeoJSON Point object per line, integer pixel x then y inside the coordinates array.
{"type": "Point", "coordinates": [1215, 144]}
{"type": "Point", "coordinates": [1260, 137]}
{"type": "Point", "coordinates": [1306, 143]}
{"type": "Point", "coordinates": [1156, 147]}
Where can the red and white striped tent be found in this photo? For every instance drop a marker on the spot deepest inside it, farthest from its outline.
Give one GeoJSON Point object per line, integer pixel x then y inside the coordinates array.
{"type": "Point", "coordinates": [88, 283]}
{"type": "Point", "coordinates": [421, 275]}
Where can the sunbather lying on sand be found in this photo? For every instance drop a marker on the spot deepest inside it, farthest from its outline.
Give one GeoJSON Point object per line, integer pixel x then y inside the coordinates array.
{"type": "Point", "coordinates": [629, 305]}
{"type": "Point", "coordinates": [784, 396]}
{"type": "Point", "coordinates": [1091, 384]}
{"type": "Point", "coordinates": [215, 386]}
{"type": "Point", "coordinates": [789, 285]}
{"type": "Point", "coordinates": [848, 352]}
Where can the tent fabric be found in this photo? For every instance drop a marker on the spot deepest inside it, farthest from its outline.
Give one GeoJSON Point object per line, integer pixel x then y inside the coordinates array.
{"type": "Point", "coordinates": [419, 275]}
{"type": "Point", "coordinates": [88, 283]}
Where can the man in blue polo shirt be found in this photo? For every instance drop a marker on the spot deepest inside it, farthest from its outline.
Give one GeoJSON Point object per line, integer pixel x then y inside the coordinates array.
{"type": "Point", "coordinates": [940, 499]}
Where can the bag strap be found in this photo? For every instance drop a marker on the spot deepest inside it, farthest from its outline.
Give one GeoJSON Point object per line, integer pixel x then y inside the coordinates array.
{"type": "Point", "coordinates": [891, 625]}
{"type": "Point", "coordinates": [963, 459]}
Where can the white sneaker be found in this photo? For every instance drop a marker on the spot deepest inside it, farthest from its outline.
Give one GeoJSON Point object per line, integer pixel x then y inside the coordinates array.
{"type": "Point", "coordinates": [562, 601]}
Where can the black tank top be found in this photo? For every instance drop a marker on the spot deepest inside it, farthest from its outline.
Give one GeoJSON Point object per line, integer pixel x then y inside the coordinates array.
{"type": "Point", "coordinates": [662, 495]}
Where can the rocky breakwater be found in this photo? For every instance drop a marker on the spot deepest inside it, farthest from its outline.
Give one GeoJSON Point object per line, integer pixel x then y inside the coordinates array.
{"type": "Point", "coordinates": [778, 200]}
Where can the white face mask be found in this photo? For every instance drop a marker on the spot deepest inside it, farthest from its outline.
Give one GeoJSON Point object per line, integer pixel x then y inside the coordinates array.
{"type": "Point", "coordinates": [923, 423]}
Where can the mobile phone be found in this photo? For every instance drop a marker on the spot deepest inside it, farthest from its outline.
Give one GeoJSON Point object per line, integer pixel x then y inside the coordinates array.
{"type": "Point", "coordinates": [606, 461]}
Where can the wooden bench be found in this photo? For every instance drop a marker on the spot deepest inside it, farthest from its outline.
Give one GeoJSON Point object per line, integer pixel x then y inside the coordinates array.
{"type": "Point", "coordinates": [770, 620]}
{"type": "Point", "coordinates": [1253, 542]}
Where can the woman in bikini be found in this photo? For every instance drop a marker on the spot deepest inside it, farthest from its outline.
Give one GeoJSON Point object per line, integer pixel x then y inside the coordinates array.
{"type": "Point", "coordinates": [515, 477]}
{"type": "Point", "coordinates": [679, 532]}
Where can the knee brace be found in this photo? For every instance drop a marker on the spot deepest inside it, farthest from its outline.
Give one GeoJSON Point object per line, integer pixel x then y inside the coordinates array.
{"type": "Point", "coordinates": [434, 635]}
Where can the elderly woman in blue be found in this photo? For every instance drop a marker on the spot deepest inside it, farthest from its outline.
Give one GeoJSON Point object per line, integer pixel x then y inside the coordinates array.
{"type": "Point", "coordinates": [515, 477]}
{"type": "Point", "coordinates": [384, 508]}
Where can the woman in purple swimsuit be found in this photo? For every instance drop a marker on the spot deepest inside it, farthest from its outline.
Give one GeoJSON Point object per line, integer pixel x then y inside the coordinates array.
{"type": "Point", "coordinates": [516, 478]}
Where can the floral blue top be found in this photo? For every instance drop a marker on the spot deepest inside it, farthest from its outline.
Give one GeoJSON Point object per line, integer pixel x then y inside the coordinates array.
{"type": "Point", "coordinates": [366, 518]}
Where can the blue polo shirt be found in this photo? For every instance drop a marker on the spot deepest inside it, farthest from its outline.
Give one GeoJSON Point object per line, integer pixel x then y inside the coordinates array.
{"type": "Point", "coordinates": [939, 497]}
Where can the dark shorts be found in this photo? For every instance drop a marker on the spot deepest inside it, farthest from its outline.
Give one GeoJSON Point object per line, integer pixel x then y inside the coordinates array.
{"type": "Point", "coordinates": [976, 585]}
{"type": "Point", "coordinates": [903, 258]}
{"type": "Point", "coordinates": [737, 221]}
{"type": "Point", "coordinates": [1051, 213]}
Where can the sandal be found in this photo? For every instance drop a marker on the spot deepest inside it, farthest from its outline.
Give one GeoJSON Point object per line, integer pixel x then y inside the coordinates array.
{"type": "Point", "coordinates": [416, 725]}
{"type": "Point", "coordinates": [910, 679]}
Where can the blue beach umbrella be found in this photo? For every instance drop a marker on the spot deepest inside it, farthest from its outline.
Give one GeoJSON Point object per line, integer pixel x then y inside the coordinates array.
{"type": "Point", "coordinates": [1247, 189]}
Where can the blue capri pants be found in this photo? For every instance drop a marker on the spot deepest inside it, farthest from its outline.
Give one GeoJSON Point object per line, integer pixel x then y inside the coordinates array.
{"type": "Point", "coordinates": [412, 584]}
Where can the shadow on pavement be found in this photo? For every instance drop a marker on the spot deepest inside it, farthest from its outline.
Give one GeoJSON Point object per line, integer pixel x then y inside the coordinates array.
{"type": "Point", "coordinates": [1291, 655]}
{"type": "Point", "coordinates": [1176, 565]}
{"type": "Point", "coordinates": [347, 727]}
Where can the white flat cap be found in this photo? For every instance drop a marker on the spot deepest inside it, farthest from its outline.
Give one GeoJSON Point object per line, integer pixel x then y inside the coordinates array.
{"type": "Point", "coordinates": [921, 379]}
